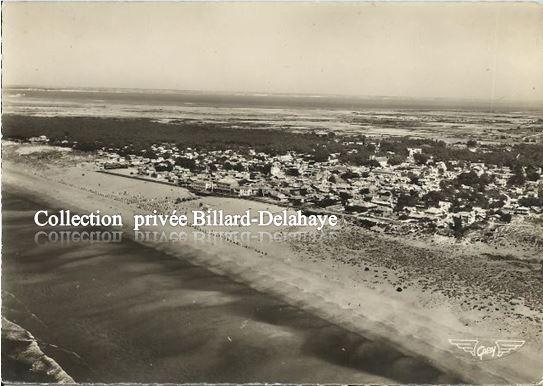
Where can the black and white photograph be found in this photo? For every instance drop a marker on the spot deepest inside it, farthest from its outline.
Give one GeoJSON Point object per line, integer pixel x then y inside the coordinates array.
{"type": "Point", "coordinates": [256, 192]}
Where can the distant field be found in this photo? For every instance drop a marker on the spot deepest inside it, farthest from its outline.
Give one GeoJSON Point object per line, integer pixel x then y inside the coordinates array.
{"type": "Point", "coordinates": [447, 120]}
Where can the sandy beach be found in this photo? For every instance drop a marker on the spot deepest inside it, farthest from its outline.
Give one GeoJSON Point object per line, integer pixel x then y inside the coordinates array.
{"type": "Point", "coordinates": [131, 314]}
{"type": "Point", "coordinates": [362, 298]}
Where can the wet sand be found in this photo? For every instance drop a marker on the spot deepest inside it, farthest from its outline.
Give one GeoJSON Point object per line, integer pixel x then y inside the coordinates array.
{"type": "Point", "coordinates": [121, 312]}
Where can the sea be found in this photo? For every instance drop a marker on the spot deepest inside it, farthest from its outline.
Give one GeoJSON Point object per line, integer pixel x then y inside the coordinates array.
{"type": "Point", "coordinates": [115, 311]}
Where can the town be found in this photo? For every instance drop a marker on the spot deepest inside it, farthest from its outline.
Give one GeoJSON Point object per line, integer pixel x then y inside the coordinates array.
{"type": "Point", "coordinates": [388, 193]}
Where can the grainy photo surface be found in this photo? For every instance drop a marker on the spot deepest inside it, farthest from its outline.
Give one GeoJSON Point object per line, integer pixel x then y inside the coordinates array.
{"type": "Point", "coordinates": [259, 192]}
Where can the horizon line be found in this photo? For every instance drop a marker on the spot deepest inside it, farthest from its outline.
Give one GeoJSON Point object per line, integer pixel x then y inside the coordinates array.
{"type": "Point", "coordinates": [273, 93]}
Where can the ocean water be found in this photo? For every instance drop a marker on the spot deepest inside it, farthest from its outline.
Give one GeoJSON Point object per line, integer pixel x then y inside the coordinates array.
{"type": "Point", "coordinates": [120, 312]}
{"type": "Point", "coordinates": [395, 116]}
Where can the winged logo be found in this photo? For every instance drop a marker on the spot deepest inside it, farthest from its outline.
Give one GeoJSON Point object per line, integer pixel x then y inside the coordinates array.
{"type": "Point", "coordinates": [508, 346]}
{"type": "Point", "coordinates": [467, 345]}
{"type": "Point", "coordinates": [500, 348]}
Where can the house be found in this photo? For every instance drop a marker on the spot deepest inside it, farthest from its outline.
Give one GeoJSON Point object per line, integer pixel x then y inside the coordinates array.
{"type": "Point", "coordinates": [40, 139]}
{"type": "Point", "coordinates": [359, 206]}
{"type": "Point", "coordinates": [278, 196]}
{"type": "Point", "coordinates": [522, 210]}
{"type": "Point", "coordinates": [225, 185]}
{"type": "Point", "coordinates": [245, 191]}
{"type": "Point", "coordinates": [201, 185]}
{"type": "Point", "coordinates": [114, 165]}
{"type": "Point", "coordinates": [466, 218]}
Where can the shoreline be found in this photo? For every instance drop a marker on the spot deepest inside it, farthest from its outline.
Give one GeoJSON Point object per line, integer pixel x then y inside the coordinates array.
{"type": "Point", "coordinates": [23, 348]}
{"type": "Point", "coordinates": [263, 324]}
{"type": "Point", "coordinates": [401, 324]}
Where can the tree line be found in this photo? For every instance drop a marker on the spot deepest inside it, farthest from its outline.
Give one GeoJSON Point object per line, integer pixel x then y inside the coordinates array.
{"type": "Point", "coordinates": [136, 135]}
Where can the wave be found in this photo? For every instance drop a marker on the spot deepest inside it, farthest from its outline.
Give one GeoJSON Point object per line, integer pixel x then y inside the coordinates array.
{"type": "Point", "coordinates": [21, 347]}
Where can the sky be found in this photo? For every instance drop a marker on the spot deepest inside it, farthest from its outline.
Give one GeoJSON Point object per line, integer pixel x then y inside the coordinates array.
{"type": "Point", "coordinates": [451, 50]}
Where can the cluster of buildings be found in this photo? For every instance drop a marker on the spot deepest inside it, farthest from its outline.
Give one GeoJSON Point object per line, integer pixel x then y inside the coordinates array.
{"type": "Point", "coordinates": [367, 194]}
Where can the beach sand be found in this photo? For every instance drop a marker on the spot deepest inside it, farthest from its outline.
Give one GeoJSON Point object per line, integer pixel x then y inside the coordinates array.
{"type": "Point", "coordinates": [417, 322]}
